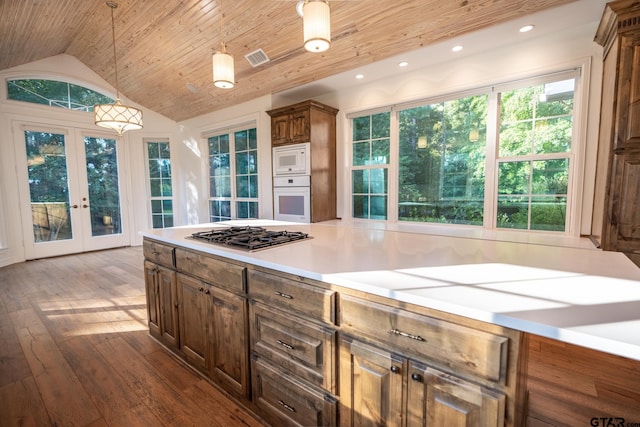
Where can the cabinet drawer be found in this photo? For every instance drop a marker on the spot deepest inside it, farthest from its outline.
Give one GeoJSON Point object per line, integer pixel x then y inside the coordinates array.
{"type": "Point", "coordinates": [211, 270]}
{"type": "Point", "coordinates": [159, 253]}
{"type": "Point", "coordinates": [284, 400]}
{"type": "Point", "coordinates": [456, 348]}
{"type": "Point", "coordinates": [302, 348]}
{"type": "Point", "coordinates": [291, 295]}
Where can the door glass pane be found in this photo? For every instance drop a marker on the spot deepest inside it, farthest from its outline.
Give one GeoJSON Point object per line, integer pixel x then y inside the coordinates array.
{"type": "Point", "coordinates": [102, 177]}
{"type": "Point", "coordinates": [48, 186]}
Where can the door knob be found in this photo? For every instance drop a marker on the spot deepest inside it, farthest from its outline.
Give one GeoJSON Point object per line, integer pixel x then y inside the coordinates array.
{"type": "Point", "coordinates": [85, 206]}
{"type": "Point", "coordinates": [74, 206]}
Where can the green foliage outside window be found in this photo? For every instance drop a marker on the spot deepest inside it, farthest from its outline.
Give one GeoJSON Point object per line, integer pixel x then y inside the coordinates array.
{"type": "Point", "coordinates": [442, 162]}
{"type": "Point", "coordinates": [55, 94]}
{"type": "Point", "coordinates": [369, 177]}
{"type": "Point", "coordinates": [442, 159]}
{"type": "Point", "coordinates": [533, 171]}
{"type": "Point", "coordinates": [159, 157]}
{"type": "Point", "coordinates": [235, 187]}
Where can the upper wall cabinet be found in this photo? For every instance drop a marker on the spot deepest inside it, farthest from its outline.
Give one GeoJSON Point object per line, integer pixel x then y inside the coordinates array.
{"type": "Point", "coordinates": [306, 121]}
{"type": "Point", "coordinates": [619, 139]}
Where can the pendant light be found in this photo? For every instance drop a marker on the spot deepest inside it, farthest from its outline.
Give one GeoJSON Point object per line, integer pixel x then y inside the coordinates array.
{"type": "Point", "coordinates": [222, 62]}
{"type": "Point", "coordinates": [316, 21]}
{"type": "Point", "coordinates": [116, 116]}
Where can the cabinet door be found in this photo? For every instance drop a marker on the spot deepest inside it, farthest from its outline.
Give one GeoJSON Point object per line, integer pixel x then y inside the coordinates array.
{"type": "Point", "coordinates": [280, 130]}
{"type": "Point", "coordinates": [370, 385]}
{"type": "Point", "coordinates": [442, 399]}
{"type": "Point", "coordinates": [153, 300]}
{"type": "Point", "coordinates": [192, 320]}
{"type": "Point", "coordinates": [300, 126]}
{"type": "Point", "coordinates": [228, 345]}
{"type": "Point", "coordinates": [168, 306]}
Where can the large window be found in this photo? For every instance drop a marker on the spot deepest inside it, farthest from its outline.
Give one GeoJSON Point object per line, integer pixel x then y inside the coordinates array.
{"type": "Point", "coordinates": [370, 166]}
{"type": "Point", "coordinates": [536, 124]}
{"type": "Point", "coordinates": [233, 175]}
{"type": "Point", "coordinates": [442, 161]}
{"type": "Point", "coordinates": [55, 94]}
{"type": "Point", "coordinates": [500, 158]}
{"type": "Point", "coordinates": [160, 189]}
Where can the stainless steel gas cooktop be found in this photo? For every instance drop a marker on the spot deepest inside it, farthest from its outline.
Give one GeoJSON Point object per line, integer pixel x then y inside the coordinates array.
{"type": "Point", "coordinates": [249, 238]}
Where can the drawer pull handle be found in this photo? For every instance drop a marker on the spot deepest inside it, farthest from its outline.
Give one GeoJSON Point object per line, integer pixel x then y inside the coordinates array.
{"type": "Point", "coordinates": [404, 334]}
{"type": "Point", "coordinates": [280, 294]}
{"type": "Point", "coordinates": [155, 253]}
{"type": "Point", "coordinates": [285, 345]}
{"type": "Point", "coordinates": [287, 407]}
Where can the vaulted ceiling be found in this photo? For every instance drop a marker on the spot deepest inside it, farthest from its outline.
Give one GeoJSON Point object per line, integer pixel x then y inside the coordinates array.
{"type": "Point", "coordinates": [164, 48]}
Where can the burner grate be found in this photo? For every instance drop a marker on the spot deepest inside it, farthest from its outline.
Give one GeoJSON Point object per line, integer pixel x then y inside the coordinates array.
{"type": "Point", "coordinates": [248, 237]}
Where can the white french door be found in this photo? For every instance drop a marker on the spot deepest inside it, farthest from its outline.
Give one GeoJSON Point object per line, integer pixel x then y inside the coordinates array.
{"type": "Point", "coordinates": [70, 188]}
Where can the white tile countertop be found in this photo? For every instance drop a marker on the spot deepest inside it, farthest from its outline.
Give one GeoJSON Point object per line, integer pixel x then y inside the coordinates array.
{"type": "Point", "coordinates": [578, 294]}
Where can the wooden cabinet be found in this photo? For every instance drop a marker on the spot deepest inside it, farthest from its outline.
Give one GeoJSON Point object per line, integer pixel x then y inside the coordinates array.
{"type": "Point", "coordinates": [304, 353]}
{"type": "Point", "coordinates": [379, 387]}
{"type": "Point", "coordinates": [293, 344]}
{"type": "Point", "coordinates": [283, 400]}
{"type": "Point", "coordinates": [398, 367]}
{"type": "Point", "coordinates": [200, 312]}
{"type": "Point", "coordinates": [455, 347]}
{"type": "Point", "coordinates": [291, 127]}
{"type": "Point", "coordinates": [307, 121]}
{"type": "Point", "coordinates": [619, 138]}
{"type": "Point", "coordinates": [312, 122]}
{"type": "Point", "coordinates": [160, 286]}
{"type": "Point", "coordinates": [213, 325]}
{"type": "Point", "coordinates": [193, 310]}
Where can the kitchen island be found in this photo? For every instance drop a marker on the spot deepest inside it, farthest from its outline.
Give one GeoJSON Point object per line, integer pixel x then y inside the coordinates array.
{"type": "Point", "coordinates": [499, 301]}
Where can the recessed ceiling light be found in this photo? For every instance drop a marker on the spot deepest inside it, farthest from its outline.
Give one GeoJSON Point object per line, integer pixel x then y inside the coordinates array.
{"type": "Point", "coordinates": [359, 76]}
{"type": "Point", "coordinates": [403, 64]}
{"type": "Point", "coordinates": [526, 28]}
{"type": "Point", "coordinates": [457, 48]}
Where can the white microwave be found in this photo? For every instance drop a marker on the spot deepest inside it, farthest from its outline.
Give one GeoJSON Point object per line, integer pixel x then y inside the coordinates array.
{"type": "Point", "coordinates": [292, 159]}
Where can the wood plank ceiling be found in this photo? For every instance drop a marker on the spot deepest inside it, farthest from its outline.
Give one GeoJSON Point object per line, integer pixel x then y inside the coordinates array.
{"type": "Point", "coordinates": [164, 48]}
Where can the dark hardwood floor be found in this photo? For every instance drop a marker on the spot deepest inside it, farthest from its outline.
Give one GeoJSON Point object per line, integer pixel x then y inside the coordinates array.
{"type": "Point", "coordinates": [75, 350]}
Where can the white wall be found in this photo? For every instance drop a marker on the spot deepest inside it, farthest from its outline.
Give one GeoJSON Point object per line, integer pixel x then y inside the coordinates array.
{"type": "Point", "coordinates": [192, 161]}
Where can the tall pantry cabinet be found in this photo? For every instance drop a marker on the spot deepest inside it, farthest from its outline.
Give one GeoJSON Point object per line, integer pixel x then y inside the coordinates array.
{"type": "Point", "coordinates": [619, 138]}
{"type": "Point", "coordinates": [313, 122]}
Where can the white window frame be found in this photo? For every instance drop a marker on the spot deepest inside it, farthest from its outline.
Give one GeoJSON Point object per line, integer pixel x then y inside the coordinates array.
{"type": "Point", "coordinates": [576, 156]}
{"type": "Point", "coordinates": [234, 199]}
{"type": "Point", "coordinates": [146, 142]}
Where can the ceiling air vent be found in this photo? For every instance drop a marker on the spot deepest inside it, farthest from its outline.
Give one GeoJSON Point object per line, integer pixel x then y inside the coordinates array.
{"type": "Point", "coordinates": [257, 57]}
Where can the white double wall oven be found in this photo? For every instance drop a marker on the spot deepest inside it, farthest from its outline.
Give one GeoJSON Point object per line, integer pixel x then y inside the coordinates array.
{"type": "Point", "coordinates": [292, 183]}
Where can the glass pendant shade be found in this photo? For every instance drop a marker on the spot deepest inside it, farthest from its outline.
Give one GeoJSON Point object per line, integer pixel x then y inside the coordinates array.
{"type": "Point", "coordinates": [316, 18]}
{"type": "Point", "coordinates": [118, 117]}
{"type": "Point", "coordinates": [223, 70]}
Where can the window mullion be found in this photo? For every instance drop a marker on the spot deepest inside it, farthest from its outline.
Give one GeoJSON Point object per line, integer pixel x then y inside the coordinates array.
{"type": "Point", "coordinates": [491, 162]}
{"type": "Point", "coordinates": [232, 171]}
{"type": "Point", "coordinates": [392, 167]}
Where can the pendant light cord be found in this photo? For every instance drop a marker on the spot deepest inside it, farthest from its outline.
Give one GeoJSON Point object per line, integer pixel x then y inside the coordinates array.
{"type": "Point", "coordinates": [113, 5]}
{"type": "Point", "coordinates": [223, 48]}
